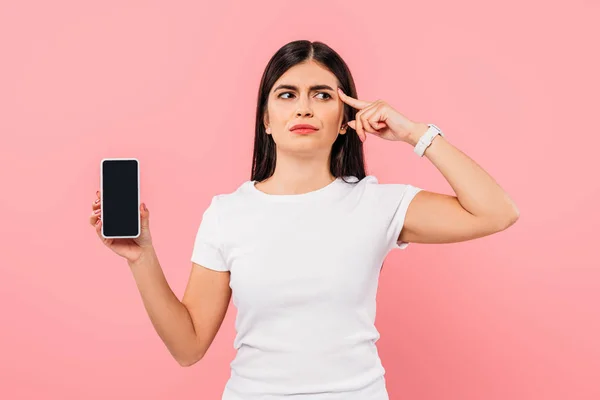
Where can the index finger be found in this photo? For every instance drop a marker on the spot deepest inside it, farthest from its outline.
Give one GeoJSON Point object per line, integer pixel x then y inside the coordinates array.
{"type": "Point", "coordinates": [359, 104]}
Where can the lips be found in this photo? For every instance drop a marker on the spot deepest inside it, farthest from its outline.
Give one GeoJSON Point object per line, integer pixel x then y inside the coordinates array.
{"type": "Point", "coordinates": [303, 128]}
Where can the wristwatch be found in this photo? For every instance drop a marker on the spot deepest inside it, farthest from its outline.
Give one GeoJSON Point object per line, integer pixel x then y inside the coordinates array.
{"type": "Point", "coordinates": [426, 139]}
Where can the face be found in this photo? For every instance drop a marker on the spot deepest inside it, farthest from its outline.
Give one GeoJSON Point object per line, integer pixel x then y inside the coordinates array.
{"type": "Point", "coordinates": [305, 94]}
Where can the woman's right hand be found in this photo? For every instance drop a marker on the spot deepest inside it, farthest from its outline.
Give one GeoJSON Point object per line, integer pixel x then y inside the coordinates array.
{"type": "Point", "coordinates": [131, 249]}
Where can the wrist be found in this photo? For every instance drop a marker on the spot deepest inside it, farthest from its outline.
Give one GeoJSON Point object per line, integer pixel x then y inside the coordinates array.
{"type": "Point", "coordinates": [146, 254]}
{"type": "Point", "coordinates": [416, 132]}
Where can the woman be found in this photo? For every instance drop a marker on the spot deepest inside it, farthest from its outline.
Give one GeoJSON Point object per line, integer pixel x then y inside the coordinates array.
{"type": "Point", "coordinates": [301, 244]}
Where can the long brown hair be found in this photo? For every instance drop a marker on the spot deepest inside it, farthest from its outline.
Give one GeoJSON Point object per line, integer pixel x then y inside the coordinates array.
{"type": "Point", "coordinates": [347, 157]}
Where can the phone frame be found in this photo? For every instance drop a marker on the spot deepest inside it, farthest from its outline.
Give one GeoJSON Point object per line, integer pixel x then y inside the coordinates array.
{"type": "Point", "coordinates": [102, 197]}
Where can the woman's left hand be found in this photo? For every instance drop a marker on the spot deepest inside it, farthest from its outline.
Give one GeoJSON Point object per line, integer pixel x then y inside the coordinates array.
{"type": "Point", "coordinates": [379, 118]}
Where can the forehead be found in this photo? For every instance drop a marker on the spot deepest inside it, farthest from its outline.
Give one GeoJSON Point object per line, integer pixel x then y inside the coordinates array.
{"type": "Point", "coordinates": [307, 74]}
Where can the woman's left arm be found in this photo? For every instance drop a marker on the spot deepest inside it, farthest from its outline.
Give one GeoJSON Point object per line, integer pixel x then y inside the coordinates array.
{"type": "Point", "coordinates": [480, 208]}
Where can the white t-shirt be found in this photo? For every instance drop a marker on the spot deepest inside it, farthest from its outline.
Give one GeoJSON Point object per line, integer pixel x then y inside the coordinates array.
{"type": "Point", "coordinates": [304, 274]}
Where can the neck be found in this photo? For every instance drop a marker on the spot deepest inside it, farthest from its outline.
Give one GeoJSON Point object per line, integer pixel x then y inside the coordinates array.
{"type": "Point", "coordinates": [297, 175]}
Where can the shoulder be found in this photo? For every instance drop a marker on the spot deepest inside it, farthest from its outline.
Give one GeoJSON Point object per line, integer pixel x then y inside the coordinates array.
{"type": "Point", "coordinates": [234, 199]}
{"type": "Point", "coordinates": [372, 188]}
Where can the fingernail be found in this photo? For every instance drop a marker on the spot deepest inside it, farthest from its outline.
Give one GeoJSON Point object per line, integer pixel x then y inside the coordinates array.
{"type": "Point", "coordinates": [97, 201]}
{"type": "Point", "coordinates": [96, 211]}
{"type": "Point", "coordinates": [144, 206]}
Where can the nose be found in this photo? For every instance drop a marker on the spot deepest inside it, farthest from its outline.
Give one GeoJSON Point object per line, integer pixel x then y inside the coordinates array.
{"type": "Point", "coordinates": [304, 109]}
{"type": "Point", "coordinates": [305, 113]}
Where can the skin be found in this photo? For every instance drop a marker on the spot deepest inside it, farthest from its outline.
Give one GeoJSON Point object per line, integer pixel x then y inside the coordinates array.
{"type": "Point", "coordinates": [480, 207]}
{"type": "Point", "coordinates": [303, 160]}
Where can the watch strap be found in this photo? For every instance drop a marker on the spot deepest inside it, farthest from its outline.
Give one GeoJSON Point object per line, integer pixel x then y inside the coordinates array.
{"type": "Point", "coordinates": [426, 139]}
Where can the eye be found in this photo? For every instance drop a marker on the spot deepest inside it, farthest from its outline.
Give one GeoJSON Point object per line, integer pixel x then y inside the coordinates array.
{"type": "Point", "coordinates": [326, 94]}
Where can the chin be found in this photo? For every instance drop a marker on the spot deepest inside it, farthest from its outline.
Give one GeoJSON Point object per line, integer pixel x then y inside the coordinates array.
{"type": "Point", "coordinates": [306, 145]}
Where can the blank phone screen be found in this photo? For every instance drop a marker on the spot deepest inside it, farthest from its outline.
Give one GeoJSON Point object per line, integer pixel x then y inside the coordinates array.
{"type": "Point", "coordinates": [120, 192]}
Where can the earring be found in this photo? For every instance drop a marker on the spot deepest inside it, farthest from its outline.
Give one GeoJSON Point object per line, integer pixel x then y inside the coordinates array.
{"type": "Point", "coordinates": [268, 130]}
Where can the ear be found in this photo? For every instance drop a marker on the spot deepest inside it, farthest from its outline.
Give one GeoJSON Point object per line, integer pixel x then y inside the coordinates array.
{"type": "Point", "coordinates": [266, 122]}
{"type": "Point", "coordinates": [343, 129]}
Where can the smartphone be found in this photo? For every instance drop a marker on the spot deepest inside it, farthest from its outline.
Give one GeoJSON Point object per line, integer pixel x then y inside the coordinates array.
{"type": "Point", "coordinates": [120, 198]}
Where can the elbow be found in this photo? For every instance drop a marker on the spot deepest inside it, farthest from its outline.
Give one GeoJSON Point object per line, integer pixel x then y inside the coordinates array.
{"type": "Point", "coordinates": [508, 220]}
{"type": "Point", "coordinates": [514, 215]}
{"type": "Point", "coordinates": [190, 358]}
{"type": "Point", "coordinates": [188, 361]}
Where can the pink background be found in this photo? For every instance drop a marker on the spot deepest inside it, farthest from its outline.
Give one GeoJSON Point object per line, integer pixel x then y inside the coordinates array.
{"type": "Point", "coordinates": [514, 85]}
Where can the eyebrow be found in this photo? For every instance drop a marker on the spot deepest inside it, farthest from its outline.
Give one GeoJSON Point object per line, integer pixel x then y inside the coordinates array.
{"type": "Point", "coordinates": [311, 89]}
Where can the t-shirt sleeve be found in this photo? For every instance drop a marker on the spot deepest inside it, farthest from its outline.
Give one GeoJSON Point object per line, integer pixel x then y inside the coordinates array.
{"type": "Point", "coordinates": [208, 246]}
{"type": "Point", "coordinates": [398, 198]}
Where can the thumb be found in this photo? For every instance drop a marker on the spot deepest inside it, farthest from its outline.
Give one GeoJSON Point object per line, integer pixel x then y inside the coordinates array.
{"type": "Point", "coordinates": [145, 216]}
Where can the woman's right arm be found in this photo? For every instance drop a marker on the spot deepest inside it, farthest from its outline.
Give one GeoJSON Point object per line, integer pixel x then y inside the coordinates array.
{"type": "Point", "coordinates": [187, 327]}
